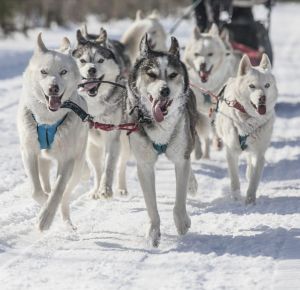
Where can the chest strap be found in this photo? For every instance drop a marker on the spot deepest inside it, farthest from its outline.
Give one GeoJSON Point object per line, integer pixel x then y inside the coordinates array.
{"type": "Point", "coordinates": [243, 141]}
{"type": "Point", "coordinates": [160, 148]}
{"type": "Point", "coordinates": [46, 133]}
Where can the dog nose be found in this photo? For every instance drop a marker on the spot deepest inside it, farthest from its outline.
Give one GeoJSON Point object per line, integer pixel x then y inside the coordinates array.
{"type": "Point", "coordinates": [53, 89]}
{"type": "Point", "coordinates": [202, 66]}
{"type": "Point", "coordinates": [92, 71]}
{"type": "Point", "coordinates": [164, 92]}
{"type": "Point", "coordinates": [262, 99]}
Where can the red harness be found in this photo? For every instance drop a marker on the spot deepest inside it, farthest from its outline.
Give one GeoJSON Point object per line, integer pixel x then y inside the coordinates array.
{"type": "Point", "coordinates": [130, 127]}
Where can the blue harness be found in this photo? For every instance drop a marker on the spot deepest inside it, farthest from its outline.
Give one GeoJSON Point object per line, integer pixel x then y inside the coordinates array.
{"type": "Point", "coordinates": [160, 148]}
{"type": "Point", "coordinates": [46, 133]}
{"type": "Point", "coordinates": [243, 140]}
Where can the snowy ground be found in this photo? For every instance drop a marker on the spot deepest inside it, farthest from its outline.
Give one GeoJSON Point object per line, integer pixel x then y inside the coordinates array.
{"type": "Point", "coordinates": [229, 246]}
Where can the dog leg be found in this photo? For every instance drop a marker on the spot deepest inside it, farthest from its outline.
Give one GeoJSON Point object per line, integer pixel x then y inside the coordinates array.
{"type": "Point", "coordinates": [48, 211]}
{"type": "Point", "coordinates": [193, 184]}
{"type": "Point", "coordinates": [198, 149]}
{"type": "Point", "coordinates": [206, 149]}
{"type": "Point", "coordinates": [112, 147]}
{"type": "Point", "coordinates": [94, 154]}
{"type": "Point", "coordinates": [233, 170]}
{"type": "Point", "coordinates": [181, 218]}
{"type": "Point", "coordinates": [147, 180]}
{"type": "Point", "coordinates": [124, 157]}
{"type": "Point", "coordinates": [44, 170]}
{"type": "Point", "coordinates": [255, 176]}
{"type": "Point", "coordinates": [32, 169]}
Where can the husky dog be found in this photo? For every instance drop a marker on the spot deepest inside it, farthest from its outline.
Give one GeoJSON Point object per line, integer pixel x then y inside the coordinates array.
{"type": "Point", "coordinates": [245, 121]}
{"type": "Point", "coordinates": [106, 104]}
{"type": "Point", "coordinates": [50, 133]}
{"type": "Point", "coordinates": [142, 25]}
{"type": "Point", "coordinates": [162, 103]}
{"type": "Point", "coordinates": [210, 62]}
{"type": "Point", "coordinates": [116, 46]}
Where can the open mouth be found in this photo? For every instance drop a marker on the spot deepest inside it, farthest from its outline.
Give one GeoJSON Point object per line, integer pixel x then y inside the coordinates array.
{"type": "Point", "coordinates": [54, 101]}
{"type": "Point", "coordinates": [204, 73]}
{"type": "Point", "coordinates": [151, 43]}
{"type": "Point", "coordinates": [91, 85]}
{"type": "Point", "coordinates": [160, 108]}
{"type": "Point", "coordinates": [261, 108]}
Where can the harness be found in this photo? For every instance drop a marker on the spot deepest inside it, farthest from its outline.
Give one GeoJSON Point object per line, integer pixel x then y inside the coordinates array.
{"type": "Point", "coordinates": [46, 133]}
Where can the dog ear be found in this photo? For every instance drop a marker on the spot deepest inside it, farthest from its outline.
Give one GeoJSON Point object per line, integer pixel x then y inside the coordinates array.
{"type": "Point", "coordinates": [139, 15]}
{"type": "Point", "coordinates": [174, 48]}
{"type": "Point", "coordinates": [225, 37]}
{"type": "Point", "coordinates": [154, 14]}
{"type": "Point", "coordinates": [40, 47]}
{"type": "Point", "coordinates": [197, 33]}
{"type": "Point", "coordinates": [144, 46]}
{"type": "Point", "coordinates": [80, 38]}
{"type": "Point", "coordinates": [265, 62]}
{"type": "Point", "coordinates": [65, 44]}
{"type": "Point", "coordinates": [84, 30]}
{"type": "Point", "coordinates": [102, 38]}
{"type": "Point", "coordinates": [244, 66]}
{"type": "Point", "coordinates": [214, 30]}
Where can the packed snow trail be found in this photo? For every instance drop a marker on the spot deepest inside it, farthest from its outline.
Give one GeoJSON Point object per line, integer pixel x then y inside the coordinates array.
{"type": "Point", "coordinates": [229, 246]}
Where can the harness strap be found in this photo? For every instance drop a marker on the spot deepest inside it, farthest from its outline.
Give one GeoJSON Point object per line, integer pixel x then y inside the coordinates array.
{"type": "Point", "coordinates": [160, 148]}
{"type": "Point", "coordinates": [85, 117]}
{"type": "Point", "coordinates": [243, 140]}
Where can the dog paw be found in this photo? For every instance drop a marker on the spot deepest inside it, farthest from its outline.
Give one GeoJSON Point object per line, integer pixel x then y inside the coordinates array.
{"type": "Point", "coordinates": [153, 235]}
{"type": "Point", "coordinates": [250, 199]}
{"type": "Point", "coordinates": [40, 197]}
{"type": "Point", "coordinates": [192, 185]}
{"type": "Point", "coordinates": [236, 195]}
{"type": "Point", "coordinates": [182, 221]}
{"type": "Point", "coordinates": [104, 193]}
{"type": "Point", "coordinates": [70, 225]}
{"type": "Point", "coordinates": [123, 192]}
{"type": "Point", "coordinates": [45, 219]}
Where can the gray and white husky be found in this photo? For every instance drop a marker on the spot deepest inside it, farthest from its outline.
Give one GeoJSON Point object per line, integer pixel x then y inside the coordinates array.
{"type": "Point", "coordinates": [142, 25]}
{"type": "Point", "coordinates": [245, 121]}
{"type": "Point", "coordinates": [162, 103]}
{"type": "Point", "coordinates": [106, 103]}
{"type": "Point", "coordinates": [49, 133]}
{"type": "Point", "coordinates": [116, 46]}
{"type": "Point", "coordinates": [210, 62]}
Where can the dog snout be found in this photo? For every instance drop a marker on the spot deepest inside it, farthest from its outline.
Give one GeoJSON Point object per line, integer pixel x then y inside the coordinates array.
{"type": "Point", "coordinates": [262, 99]}
{"type": "Point", "coordinates": [164, 92]}
{"type": "Point", "coordinates": [203, 66]}
{"type": "Point", "coordinates": [53, 89]}
{"type": "Point", "coordinates": [92, 71]}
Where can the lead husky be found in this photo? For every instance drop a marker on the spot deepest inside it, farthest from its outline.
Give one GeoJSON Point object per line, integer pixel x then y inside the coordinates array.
{"type": "Point", "coordinates": [106, 103]}
{"type": "Point", "coordinates": [210, 63]}
{"type": "Point", "coordinates": [142, 25]}
{"type": "Point", "coordinates": [245, 121]}
{"type": "Point", "coordinates": [158, 92]}
{"type": "Point", "coordinates": [49, 133]}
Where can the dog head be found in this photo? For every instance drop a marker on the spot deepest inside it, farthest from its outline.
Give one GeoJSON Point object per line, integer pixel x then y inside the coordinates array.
{"type": "Point", "coordinates": [159, 80]}
{"type": "Point", "coordinates": [145, 25]}
{"type": "Point", "coordinates": [256, 87]}
{"type": "Point", "coordinates": [96, 62]}
{"type": "Point", "coordinates": [53, 76]}
{"type": "Point", "coordinates": [206, 52]}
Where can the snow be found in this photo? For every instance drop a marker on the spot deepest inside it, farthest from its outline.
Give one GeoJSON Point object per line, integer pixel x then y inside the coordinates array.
{"type": "Point", "coordinates": [229, 246]}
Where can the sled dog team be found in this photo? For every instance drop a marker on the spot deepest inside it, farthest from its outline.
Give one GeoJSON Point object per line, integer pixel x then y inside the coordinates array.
{"type": "Point", "coordinates": [88, 107]}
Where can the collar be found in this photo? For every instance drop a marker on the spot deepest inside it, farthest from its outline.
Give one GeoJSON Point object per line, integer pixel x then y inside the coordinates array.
{"type": "Point", "coordinates": [46, 133]}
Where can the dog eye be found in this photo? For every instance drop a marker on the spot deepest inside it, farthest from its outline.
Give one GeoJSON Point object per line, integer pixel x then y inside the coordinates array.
{"type": "Point", "coordinates": [83, 60]}
{"type": "Point", "coordinates": [63, 72]}
{"type": "Point", "coordinates": [267, 85]}
{"type": "Point", "coordinates": [196, 54]}
{"type": "Point", "coordinates": [101, 60]}
{"type": "Point", "coordinates": [210, 54]}
{"type": "Point", "coordinates": [151, 75]}
{"type": "Point", "coordinates": [251, 86]}
{"type": "Point", "coordinates": [173, 75]}
{"type": "Point", "coordinates": [43, 72]}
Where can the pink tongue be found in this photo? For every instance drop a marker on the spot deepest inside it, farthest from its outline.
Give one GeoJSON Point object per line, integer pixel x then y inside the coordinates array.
{"type": "Point", "coordinates": [54, 103]}
{"type": "Point", "coordinates": [262, 109]}
{"type": "Point", "coordinates": [203, 76]}
{"type": "Point", "coordinates": [89, 86]}
{"type": "Point", "coordinates": [157, 113]}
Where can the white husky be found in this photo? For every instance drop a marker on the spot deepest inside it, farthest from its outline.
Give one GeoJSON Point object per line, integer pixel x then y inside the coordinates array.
{"type": "Point", "coordinates": [142, 25]}
{"type": "Point", "coordinates": [210, 63]}
{"type": "Point", "coordinates": [245, 121]}
{"type": "Point", "coordinates": [49, 133]}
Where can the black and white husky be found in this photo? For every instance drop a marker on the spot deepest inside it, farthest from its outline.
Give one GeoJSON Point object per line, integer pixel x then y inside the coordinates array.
{"type": "Point", "coordinates": [106, 103]}
{"type": "Point", "coordinates": [50, 133]}
{"type": "Point", "coordinates": [161, 101]}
